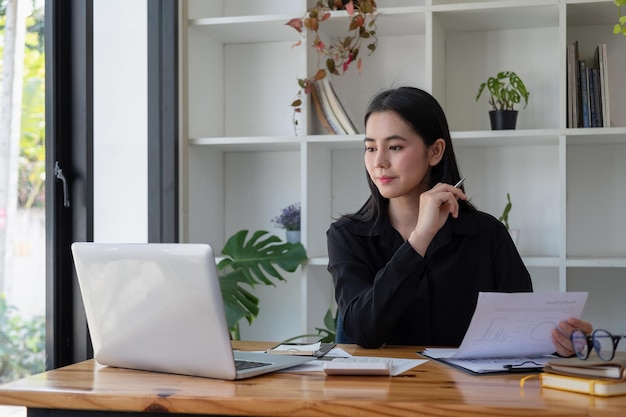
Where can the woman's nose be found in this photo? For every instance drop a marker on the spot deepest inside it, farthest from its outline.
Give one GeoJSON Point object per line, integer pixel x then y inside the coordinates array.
{"type": "Point", "coordinates": [381, 160]}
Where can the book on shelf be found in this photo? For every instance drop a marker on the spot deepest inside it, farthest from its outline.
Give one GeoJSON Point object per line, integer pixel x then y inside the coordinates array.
{"type": "Point", "coordinates": [337, 107]}
{"type": "Point", "coordinates": [587, 88]}
{"type": "Point", "coordinates": [321, 116]}
{"type": "Point", "coordinates": [327, 117]}
{"type": "Point", "coordinates": [584, 94]}
{"type": "Point", "coordinates": [598, 387]}
{"type": "Point", "coordinates": [600, 59]}
{"type": "Point", "coordinates": [593, 367]}
{"type": "Point", "coordinates": [594, 97]}
{"type": "Point", "coordinates": [573, 89]}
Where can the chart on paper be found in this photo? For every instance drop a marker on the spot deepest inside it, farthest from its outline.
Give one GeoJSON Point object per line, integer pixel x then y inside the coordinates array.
{"type": "Point", "coordinates": [517, 324]}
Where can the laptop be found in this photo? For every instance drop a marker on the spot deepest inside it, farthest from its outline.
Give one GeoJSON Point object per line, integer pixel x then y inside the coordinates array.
{"type": "Point", "coordinates": [159, 307]}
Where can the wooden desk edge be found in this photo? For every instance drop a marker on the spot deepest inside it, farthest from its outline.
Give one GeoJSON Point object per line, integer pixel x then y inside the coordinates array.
{"type": "Point", "coordinates": [453, 393]}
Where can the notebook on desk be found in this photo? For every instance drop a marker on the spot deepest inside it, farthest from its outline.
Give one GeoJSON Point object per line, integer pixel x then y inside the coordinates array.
{"type": "Point", "coordinates": [159, 307]}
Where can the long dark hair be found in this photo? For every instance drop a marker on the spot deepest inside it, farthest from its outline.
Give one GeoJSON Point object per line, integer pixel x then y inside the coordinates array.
{"type": "Point", "coordinates": [424, 114]}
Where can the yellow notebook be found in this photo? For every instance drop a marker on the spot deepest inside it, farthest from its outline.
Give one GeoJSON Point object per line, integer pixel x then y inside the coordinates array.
{"type": "Point", "coordinates": [599, 387]}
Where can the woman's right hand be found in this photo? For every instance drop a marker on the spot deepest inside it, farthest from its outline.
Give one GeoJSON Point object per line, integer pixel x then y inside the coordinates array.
{"type": "Point", "coordinates": [435, 206]}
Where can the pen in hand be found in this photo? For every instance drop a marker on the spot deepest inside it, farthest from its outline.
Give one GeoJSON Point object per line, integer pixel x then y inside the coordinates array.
{"type": "Point", "coordinates": [457, 185]}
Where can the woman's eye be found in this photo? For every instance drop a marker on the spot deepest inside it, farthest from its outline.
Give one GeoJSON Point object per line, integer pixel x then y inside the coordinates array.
{"type": "Point", "coordinates": [369, 149]}
{"type": "Point", "coordinates": [395, 148]}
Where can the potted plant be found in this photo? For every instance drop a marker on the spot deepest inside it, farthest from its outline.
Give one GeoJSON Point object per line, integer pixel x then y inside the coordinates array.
{"type": "Point", "coordinates": [335, 58]}
{"type": "Point", "coordinates": [289, 219]}
{"type": "Point", "coordinates": [507, 89]}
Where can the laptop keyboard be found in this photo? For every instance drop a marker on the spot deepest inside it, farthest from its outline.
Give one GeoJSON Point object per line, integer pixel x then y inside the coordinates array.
{"type": "Point", "coordinates": [241, 365]}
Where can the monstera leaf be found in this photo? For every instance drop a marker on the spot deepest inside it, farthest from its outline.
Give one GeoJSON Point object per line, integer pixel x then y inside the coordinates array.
{"type": "Point", "coordinates": [249, 263]}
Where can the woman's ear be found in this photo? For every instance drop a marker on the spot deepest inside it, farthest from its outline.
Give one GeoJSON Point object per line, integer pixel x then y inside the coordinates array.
{"type": "Point", "coordinates": [435, 152]}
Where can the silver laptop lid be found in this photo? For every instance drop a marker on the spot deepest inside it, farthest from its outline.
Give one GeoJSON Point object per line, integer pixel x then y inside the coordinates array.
{"type": "Point", "coordinates": [155, 307]}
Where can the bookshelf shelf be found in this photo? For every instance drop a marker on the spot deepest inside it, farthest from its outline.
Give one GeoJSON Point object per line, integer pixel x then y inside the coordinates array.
{"type": "Point", "coordinates": [245, 29]}
{"type": "Point", "coordinates": [506, 138]}
{"type": "Point", "coordinates": [242, 159]}
{"type": "Point", "coordinates": [541, 261]}
{"type": "Point", "coordinates": [596, 136]}
{"type": "Point", "coordinates": [249, 144]}
{"type": "Point", "coordinates": [495, 16]}
{"type": "Point", "coordinates": [617, 262]}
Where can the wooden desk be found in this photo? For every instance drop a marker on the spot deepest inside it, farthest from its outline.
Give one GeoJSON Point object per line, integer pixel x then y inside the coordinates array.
{"type": "Point", "coordinates": [431, 389]}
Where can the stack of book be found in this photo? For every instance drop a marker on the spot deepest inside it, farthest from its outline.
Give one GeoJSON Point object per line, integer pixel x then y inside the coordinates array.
{"type": "Point", "coordinates": [330, 112]}
{"type": "Point", "coordinates": [587, 89]}
{"type": "Point", "coordinates": [592, 376]}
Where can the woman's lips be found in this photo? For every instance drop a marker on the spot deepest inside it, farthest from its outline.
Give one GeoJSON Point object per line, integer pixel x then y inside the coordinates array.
{"type": "Point", "coordinates": [385, 179]}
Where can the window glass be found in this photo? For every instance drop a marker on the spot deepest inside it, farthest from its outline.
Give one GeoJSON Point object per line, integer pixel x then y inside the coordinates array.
{"type": "Point", "coordinates": [22, 191]}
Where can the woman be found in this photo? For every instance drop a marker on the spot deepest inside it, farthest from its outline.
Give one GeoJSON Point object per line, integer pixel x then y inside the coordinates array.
{"type": "Point", "coordinates": [408, 266]}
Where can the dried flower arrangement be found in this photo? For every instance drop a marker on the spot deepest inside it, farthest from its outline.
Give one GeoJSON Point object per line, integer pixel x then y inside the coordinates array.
{"type": "Point", "coordinates": [343, 51]}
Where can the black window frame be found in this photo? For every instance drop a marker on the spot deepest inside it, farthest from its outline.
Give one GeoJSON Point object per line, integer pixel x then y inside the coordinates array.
{"type": "Point", "coordinates": [69, 156]}
{"type": "Point", "coordinates": [69, 148]}
{"type": "Point", "coordinates": [163, 127]}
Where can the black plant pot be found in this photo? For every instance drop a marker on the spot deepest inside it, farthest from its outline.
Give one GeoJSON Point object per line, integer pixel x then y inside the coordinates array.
{"type": "Point", "coordinates": [503, 119]}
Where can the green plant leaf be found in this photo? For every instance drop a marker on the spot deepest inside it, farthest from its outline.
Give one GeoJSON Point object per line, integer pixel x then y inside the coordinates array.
{"type": "Point", "coordinates": [506, 89]}
{"type": "Point", "coordinates": [480, 90]}
{"type": "Point", "coordinates": [519, 88]}
{"type": "Point", "coordinates": [252, 262]}
{"type": "Point", "coordinates": [330, 320]}
{"type": "Point", "coordinates": [504, 217]}
{"type": "Point", "coordinates": [239, 303]}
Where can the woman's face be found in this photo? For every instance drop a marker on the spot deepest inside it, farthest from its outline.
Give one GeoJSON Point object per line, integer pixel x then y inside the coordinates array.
{"type": "Point", "coordinates": [396, 157]}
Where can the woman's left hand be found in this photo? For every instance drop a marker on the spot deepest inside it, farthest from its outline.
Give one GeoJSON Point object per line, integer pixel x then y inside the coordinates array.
{"type": "Point", "coordinates": [560, 335]}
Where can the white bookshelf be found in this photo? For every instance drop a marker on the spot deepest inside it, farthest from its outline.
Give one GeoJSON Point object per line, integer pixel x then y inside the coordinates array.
{"type": "Point", "coordinates": [242, 159]}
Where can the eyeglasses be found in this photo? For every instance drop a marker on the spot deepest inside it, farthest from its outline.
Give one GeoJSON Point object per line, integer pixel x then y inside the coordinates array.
{"type": "Point", "coordinates": [603, 342]}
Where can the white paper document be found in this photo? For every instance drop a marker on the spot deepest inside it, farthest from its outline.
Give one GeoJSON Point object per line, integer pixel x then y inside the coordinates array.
{"type": "Point", "coordinates": [512, 329]}
{"type": "Point", "coordinates": [313, 347]}
{"type": "Point", "coordinates": [398, 365]}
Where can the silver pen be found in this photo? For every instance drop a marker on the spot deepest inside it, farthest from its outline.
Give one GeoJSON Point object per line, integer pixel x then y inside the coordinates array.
{"type": "Point", "coordinates": [457, 185]}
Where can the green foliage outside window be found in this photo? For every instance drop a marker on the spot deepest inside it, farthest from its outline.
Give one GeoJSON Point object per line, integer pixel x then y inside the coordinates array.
{"type": "Point", "coordinates": [22, 343]}
{"type": "Point", "coordinates": [32, 148]}
{"type": "Point", "coordinates": [32, 127]}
